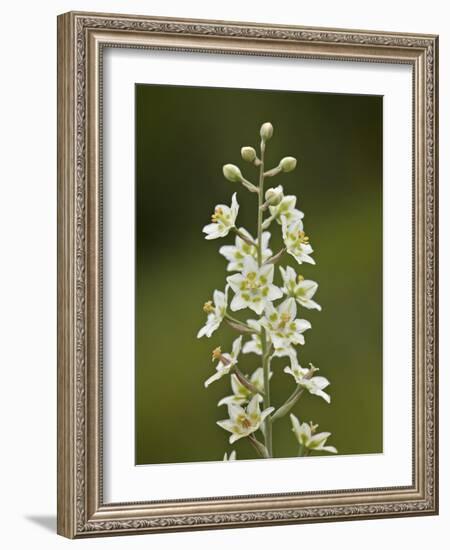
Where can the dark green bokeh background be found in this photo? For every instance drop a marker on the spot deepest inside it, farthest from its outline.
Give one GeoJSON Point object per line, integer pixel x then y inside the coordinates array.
{"type": "Point", "coordinates": [183, 137]}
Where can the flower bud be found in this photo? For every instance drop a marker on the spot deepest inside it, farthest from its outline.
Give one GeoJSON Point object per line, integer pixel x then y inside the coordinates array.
{"type": "Point", "coordinates": [232, 173]}
{"type": "Point", "coordinates": [248, 154]}
{"type": "Point", "coordinates": [266, 131]}
{"type": "Point", "coordinates": [274, 195]}
{"type": "Point", "coordinates": [287, 164]}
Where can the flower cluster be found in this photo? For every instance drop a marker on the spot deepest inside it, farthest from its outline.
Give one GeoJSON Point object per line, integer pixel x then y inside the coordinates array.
{"type": "Point", "coordinates": [279, 329]}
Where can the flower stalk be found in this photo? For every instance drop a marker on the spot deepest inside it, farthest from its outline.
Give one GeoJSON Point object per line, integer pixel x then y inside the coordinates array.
{"type": "Point", "coordinates": [276, 332]}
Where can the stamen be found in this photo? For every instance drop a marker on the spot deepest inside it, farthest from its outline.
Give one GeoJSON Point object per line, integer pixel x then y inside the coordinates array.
{"type": "Point", "coordinates": [218, 213]}
{"type": "Point", "coordinates": [304, 239]}
{"type": "Point", "coordinates": [313, 427]}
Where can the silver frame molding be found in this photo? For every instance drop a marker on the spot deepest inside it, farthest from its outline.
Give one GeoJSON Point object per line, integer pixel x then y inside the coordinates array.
{"type": "Point", "coordinates": [81, 39]}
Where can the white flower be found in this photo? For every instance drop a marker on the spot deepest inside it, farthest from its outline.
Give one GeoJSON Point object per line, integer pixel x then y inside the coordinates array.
{"type": "Point", "coordinates": [295, 369]}
{"type": "Point", "coordinates": [215, 312]}
{"type": "Point", "coordinates": [241, 250]}
{"type": "Point", "coordinates": [223, 220]}
{"type": "Point", "coordinates": [286, 209]}
{"type": "Point", "coordinates": [241, 394]}
{"type": "Point", "coordinates": [283, 328]}
{"type": "Point", "coordinates": [226, 361]}
{"type": "Point", "coordinates": [305, 378]}
{"type": "Point", "coordinates": [243, 422]}
{"type": "Point", "coordinates": [299, 288]}
{"type": "Point", "coordinates": [296, 242]}
{"type": "Point", "coordinates": [232, 456]}
{"type": "Point", "coordinates": [253, 287]}
{"type": "Point", "coordinates": [308, 439]}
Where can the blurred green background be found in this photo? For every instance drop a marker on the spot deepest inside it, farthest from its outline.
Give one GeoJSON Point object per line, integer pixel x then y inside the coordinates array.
{"type": "Point", "coordinates": [183, 137]}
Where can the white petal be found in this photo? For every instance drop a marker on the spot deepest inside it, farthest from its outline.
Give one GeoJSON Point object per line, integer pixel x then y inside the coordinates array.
{"type": "Point", "coordinates": [257, 307]}
{"type": "Point", "coordinates": [295, 425]}
{"type": "Point", "coordinates": [274, 293]}
{"type": "Point", "coordinates": [228, 251]}
{"type": "Point", "coordinates": [250, 265]}
{"type": "Point", "coordinates": [329, 449]}
{"type": "Point", "coordinates": [201, 332]}
{"type": "Point", "coordinates": [257, 378]}
{"type": "Point", "coordinates": [254, 324]}
{"type": "Point", "coordinates": [302, 324]}
{"type": "Point", "coordinates": [219, 299]}
{"type": "Point", "coordinates": [226, 425]}
{"type": "Point", "coordinates": [231, 399]}
{"type": "Point", "coordinates": [212, 231]}
{"type": "Point", "coordinates": [235, 281]}
{"type": "Point", "coordinates": [251, 347]}
{"type": "Point", "coordinates": [265, 238]}
{"type": "Point", "coordinates": [239, 389]}
{"type": "Point", "coordinates": [306, 259]}
{"type": "Point", "coordinates": [309, 288]}
{"type": "Point", "coordinates": [288, 306]}
{"type": "Point", "coordinates": [235, 437]}
{"type": "Point", "coordinates": [309, 304]}
{"type": "Point", "coordinates": [234, 207]}
{"type": "Point", "coordinates": [320, 382]}
{"type": "Point", "coordinates": [270, 311]}
{"type": "Point", "coordinates": [238, 303]}
{"type": "Point", "coordinates": [236, 347]}
{"type": "Point", "coordinates": [266, 413]}
{"type": "Point", "coordinates": [253, 407]}
{"type": "Point", "coordinates": [234, 411]}
{"type": "Point", "coordinates": [267, 271]}
{"type": "Point", "coordinates": [214, 377]}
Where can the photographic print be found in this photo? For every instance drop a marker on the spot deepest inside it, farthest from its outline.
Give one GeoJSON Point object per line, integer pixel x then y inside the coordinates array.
{"type": "Point", "coordinates": [258, 274]}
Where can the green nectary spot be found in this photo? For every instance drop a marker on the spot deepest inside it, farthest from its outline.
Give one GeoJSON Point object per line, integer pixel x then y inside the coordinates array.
{"type": "Point", "coordinates": [265, 291]}
{"type": "Point", "coordinates": [246, 297]}
{"type": "Point", "coordinates": [292, 326]}
{"type": "Point", "coordinates": [256, 299]}
{"type": "Point", "coordinates": [246, 248]}
{"type": "Point", "coordinates": [251, 276]}
{"type": "Point", "coordinates": [273, 317]}
{"type": "Point", "coordinates": [238, 255]}
{"type": "Point", "coordinates": [263, 279]}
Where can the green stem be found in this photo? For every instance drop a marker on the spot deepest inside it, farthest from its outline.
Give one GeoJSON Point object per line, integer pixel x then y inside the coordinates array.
{"type": "Point", "coordinates": [302, 451]}
{"type": "Point", "coordinates": [260, 202]}
{"type": "Point", "coordinates": [239, 325]}
{"type": "Point", "coordinates": [265, 356]}
{"type": "Point", "coordinates": [276, 257]}
{"type": "Point", "coordinates": [259, 447]}
{"type": "Point", "coordinates": [266, 374]}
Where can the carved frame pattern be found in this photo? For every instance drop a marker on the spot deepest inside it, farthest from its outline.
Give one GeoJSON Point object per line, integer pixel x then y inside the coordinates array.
{"type": "Point", "coordinates": [81, 37]}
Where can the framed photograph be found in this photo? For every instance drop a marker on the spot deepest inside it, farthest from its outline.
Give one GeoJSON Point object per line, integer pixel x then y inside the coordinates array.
{"type": "Point", "coordinates": [247, 277]}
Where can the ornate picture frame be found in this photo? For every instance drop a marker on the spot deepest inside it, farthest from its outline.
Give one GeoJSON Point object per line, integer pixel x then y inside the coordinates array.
{"type": "Point", "coordinates": [82, 38]}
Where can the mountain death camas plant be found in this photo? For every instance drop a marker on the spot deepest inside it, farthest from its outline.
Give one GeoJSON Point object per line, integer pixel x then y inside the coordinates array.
{"type": "Point", "coordinates": [277, 331]}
